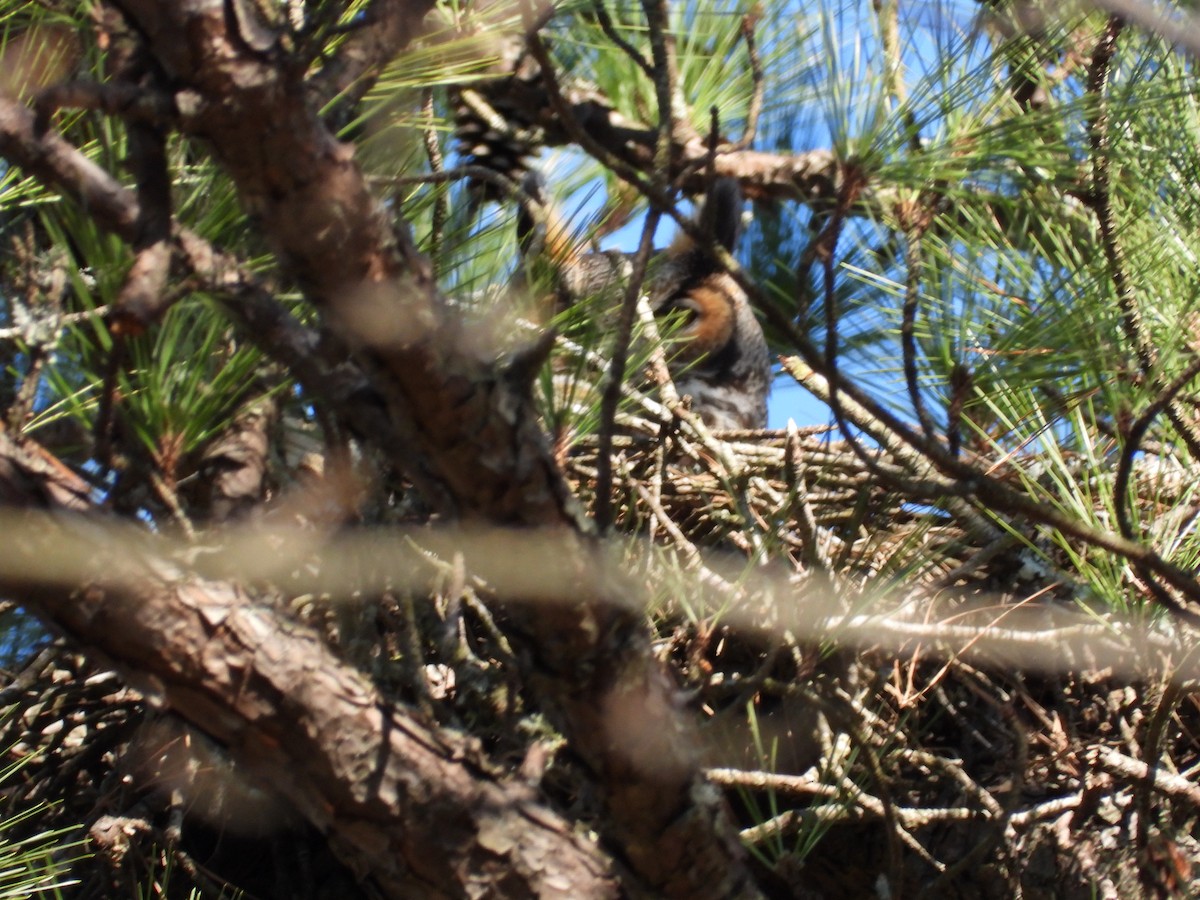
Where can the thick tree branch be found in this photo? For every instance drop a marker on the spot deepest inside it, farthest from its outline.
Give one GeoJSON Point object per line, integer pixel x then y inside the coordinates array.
{"type": "Point", "coordinates": [568, 111]}
{"type": "Point", "coordinates": [461, 423]}
{"type": "Point", "coordinates": [116, 208]}
{"type": "Point", "coordinates": [386, 27]}
{"type": "Point", "coordinates": [54, 161]}
{"type": "Point", "coordinates": [411, 808]}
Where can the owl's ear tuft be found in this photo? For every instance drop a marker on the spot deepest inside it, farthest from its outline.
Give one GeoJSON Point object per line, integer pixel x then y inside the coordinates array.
{"type": "Point", "coordinates": [722, 213]}
{"type": "Point", "coordinates": [720, 216]}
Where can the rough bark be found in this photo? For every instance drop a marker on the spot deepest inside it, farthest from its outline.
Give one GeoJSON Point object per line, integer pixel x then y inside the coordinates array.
{"type": "Point", "coordinates": [414, 809]}
{"type": "Point", "coordinates": [462, 426]}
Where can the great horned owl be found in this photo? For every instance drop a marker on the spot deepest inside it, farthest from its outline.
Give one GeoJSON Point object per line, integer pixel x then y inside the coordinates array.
{"type": "Point", "coordinates": [721, 359]}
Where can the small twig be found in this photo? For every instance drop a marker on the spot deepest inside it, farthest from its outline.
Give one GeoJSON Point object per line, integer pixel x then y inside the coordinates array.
{"type": "Point", "coordinates": [126, 100]}
{"type": "Point", "coordinates": [1133, 441]}
{"type": "Point", "coordinates": [458, 173]}
{"type": "Point", "coordinates": [1164, 782]}
{"type": "Point", "coordinates": [888, 12]}
{"type": "Point", "coordinates": [105, 426]}
{"type": "Point", "coordinates": [664, 80]}
{"type": "Point", "coordinates": [827, 242]}
{"type": "Point", "coordinates": [167, 494]}
{"type": "Point", "coordinates": [976, 561]}
{"type": "Point", "coordinates": [660, 372]}
{"type": "Point", "coordinates": [955, 770]}
{"type": "Point", "coordinates": [503, 648]}
{"type": "Point", "coordinates": [749, 21]}
{"type": "Point", "coordinates": [616, 372]}
{"type": "Point", "coordinates": [375, 37]}
{"type": "Point", "coordinates": [896, 438]}
{"type": "Point", "coordinates": [414, 654]}
{"type": "Point", "coordinates": [1170, 692]}
{"type": "Point", "coordinates": [798, 505]}
{"type": "Point", "coordinates": [728, 467]}
{"type": "Point", "coordinates": [1114, 254]}
{"type": "Point", "coordinates": [888, 809]}
{"type": "Point", "coordinates": [441, 203]}
{"type": "Point", "coordinates": [21, 408]}
{"type": "Point", "coordinates": [658, 476]}
{"type": "Point", "coordinates": [898, 829]}
{"type": "Point", "coordinates": [806, 785]}
{"type": "Point", "coordinates": [1045, 810]}
{"type": "Point", "coordinates": [692, 556]}
{"type": "Point", "coordinates": [793, 820]}
{"type": "Point", "coordinates": [143, 297]}
{"type": "Point", "coordinates": [672, 109]}
{"type": "Point", "coordinates": [609, 28]}
{"type": "Point", "coordinates": [908, 338]}
{"type": "Point", "coordinates": [619, 167]}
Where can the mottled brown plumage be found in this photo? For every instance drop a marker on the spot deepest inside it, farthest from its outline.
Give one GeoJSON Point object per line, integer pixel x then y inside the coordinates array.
{"type": "Point", "coordinates": [722, 362]}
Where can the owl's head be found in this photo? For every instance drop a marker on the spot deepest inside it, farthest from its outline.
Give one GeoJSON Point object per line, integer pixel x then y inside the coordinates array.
{"type": "Point", "coordinates": [722, 360]}
{"type": "Point", "coordinates": [689, 281]}
{"type": "Point", "coordinates": [719, 355]}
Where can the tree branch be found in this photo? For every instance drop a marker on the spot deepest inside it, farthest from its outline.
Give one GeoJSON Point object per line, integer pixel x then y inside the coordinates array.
{"type": "Point", "coordinates": [407, 806]}
{"type": "Point", "coordinates": [463, 425]}
{"type": "Point", "coordinates": [385, 29]}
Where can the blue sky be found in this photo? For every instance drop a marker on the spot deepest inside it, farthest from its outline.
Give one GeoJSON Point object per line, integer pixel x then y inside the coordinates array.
{"type": "Point", "coordinates": [929, 30]}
